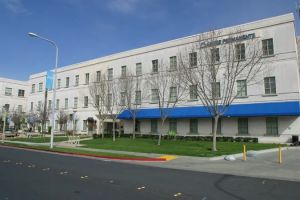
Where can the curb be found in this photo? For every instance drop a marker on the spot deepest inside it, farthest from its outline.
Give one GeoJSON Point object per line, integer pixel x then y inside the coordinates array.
{"type": "Point", "coordinates": [87, 155]}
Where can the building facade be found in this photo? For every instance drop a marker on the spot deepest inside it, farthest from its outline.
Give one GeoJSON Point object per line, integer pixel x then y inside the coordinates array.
{"type": "Point", "coordinates": [268, 110]}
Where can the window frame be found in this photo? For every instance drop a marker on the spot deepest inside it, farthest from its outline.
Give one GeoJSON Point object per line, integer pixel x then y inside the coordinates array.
{"type": "Point", "coordinates": [268, 50]}
{"type": "Point", "coordinates": [269, 88]}
{"type": "Point", "coordinates": [241, 91]}
{"type": "Point", "coordinates": [243, 126]}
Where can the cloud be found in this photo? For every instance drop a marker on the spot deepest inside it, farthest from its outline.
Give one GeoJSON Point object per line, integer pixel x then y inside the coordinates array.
{"type": "Point", "coordinates": [123, 6]}
{"type": "Point", "coordinates": [14, 6]}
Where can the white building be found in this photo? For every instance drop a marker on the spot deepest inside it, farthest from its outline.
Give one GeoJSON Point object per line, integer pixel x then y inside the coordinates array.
{"type": "Point", "coordinates": [272, 112]}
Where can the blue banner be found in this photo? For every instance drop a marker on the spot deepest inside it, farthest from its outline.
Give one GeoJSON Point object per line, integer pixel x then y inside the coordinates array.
{"type": "Point", "coordinates": [49, 80]}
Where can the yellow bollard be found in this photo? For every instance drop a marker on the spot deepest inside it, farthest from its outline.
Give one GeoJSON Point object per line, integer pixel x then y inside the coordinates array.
{"type": "Point", "coordinates": [279, 155]}
{"type": "Point", "coordinates": [245, 153]}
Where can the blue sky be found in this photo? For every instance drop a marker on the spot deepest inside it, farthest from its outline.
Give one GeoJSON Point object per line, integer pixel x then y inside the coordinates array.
{"type": "Point", "coordinates": [87, 29]}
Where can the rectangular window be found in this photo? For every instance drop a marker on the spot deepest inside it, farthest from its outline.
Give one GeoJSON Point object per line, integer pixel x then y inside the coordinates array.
{"type": "Point", "coordinates": [49, 104]}
{"type": "Point", "coordinates": [272, 126]}
{"type": "Point", "coordinates": [173, 125]}
{"type": "Point", "coordinates": [193, 92]}
{"type": "Point", "coordinates": [270, 85]}
{"type": "Point", "coordinates": [76, 80]}
{"type": "Point", "coordinates": [215, 55]}
{"type": "Point", "coordinates": [67, 82]}
{"type": "Point", "coordinates": [87, 78]}
{"type": "Point", "coordinates": [173, 63]}
{"type": "Point", "coordinates": [154, 96]}
{"type": "Point", "coordinates": [193, 59]}
{"type": "Point", "coordinates": [243, 126]}
{"type": "Point", "coordinates": [66, 103]}
{"type": "Point", "coordinates": [56, 125]}
{"type": "Point", "coordinates": [19, 108]}
{"type": "Point", "coordinates": [40, 87]}
{"type": "Point", "coordinates": [138, 97]}
{"type": "Point", "coordinates": [21, 93]}
{"type": "Point", "coordinates": [97, 99]}
{"type": "Point", "coordinates": [154, 66]}
{"type": "Point", "coordinates": [194, 126]}
{"type": "Point", "coordinates": [110, 74]}
{"type": "Point", "coordinates": [58, 83]}
{"type": "Point", "coordinates": [241, 88]}
{"type": "Point", "coordinates": [84, 125]}
{"type": "Point", "coordinates": [267, 46]}
{"type": "Point", "coordinates": [75, 102]}
{"type": "Point", "coordinates": [8, 91]}
{"type": "Point", "coordinates": [123, 98]}
{"type": "Point", "coordinates": [138, 69]}
{"type": "Point", "coordinates": [137, 127]}
{"type": "Point", "coordinates": [39, 105]}
{"type": "Point", "coordinates": [31, 106]}
{"type": "Point", "coordinates": [86, 101]}
{"type": "Point", "coordinates": [219, 127]}
{"type": "Point", "coordinates": [57, 104]}
{"type": "Point", "coordinates": [123, 71]}
{"type": "Point", "coordinates": [6, 107]}
{"type": "Point", "coordinates": [173, 94]}
{"type": "Point", "coordinates": [109, 101]}
{"type": "Point", "coordinates": [33, 88]}
{"type": "Point", "coordinates": [153, 125]}
{"type": "Point", "coordinates": [216, 92]}
{"type": "Point", "coordinates": [240, 52]}
{"type": "Point", "coordinates": [98, 76]}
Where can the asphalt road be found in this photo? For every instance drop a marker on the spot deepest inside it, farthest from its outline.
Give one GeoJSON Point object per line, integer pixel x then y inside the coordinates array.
{"type": "Point", "coordinates": [35, 175]}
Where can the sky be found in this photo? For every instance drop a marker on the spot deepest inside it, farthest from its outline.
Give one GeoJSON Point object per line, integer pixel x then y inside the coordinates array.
{"type": "Point", "coordinates": [89, 29]}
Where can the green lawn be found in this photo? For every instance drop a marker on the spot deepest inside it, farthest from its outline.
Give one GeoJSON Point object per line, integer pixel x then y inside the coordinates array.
{"type": "Point", "coordinates": [178, 147]}
{"type": "Point", "coordinates": [38, 139]}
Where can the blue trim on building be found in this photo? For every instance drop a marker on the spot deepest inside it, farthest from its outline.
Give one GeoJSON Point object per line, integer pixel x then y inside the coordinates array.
{"type": "Point", "coordinates": [290, 108]}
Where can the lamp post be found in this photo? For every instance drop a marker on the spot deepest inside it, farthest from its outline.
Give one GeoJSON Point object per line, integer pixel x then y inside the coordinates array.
{"type": "Point", "coordinates": [4, 123]}
{"type": "Point", "coordinates": [54, 83]}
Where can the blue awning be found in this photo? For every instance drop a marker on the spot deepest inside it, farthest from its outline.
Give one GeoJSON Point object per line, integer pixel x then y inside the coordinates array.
{"type": "Point", "coordinates": [290, 108]}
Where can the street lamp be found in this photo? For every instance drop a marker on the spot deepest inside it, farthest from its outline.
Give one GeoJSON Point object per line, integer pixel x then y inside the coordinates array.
{"type": "Point", "coordinates": [54, 82]}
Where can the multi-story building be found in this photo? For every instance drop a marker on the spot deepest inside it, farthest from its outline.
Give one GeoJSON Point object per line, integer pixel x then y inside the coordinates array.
{"type": "Point", "coordinates": [269, 109]}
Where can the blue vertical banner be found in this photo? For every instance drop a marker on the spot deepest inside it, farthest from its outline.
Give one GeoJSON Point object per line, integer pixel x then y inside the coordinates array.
{"type": "Point", "coordinates": [49, 80]}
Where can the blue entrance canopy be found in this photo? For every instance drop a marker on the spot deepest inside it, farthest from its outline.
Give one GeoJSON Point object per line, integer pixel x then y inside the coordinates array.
{"type": "Point", "coordinates": [289, 108]}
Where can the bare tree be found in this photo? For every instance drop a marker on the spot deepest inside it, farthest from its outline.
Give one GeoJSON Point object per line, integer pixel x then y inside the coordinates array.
{"type": "Point", "coordinates": [42, 114]}
{"type": "Point", "coordinates": [166, 90]}
{"type": "Point", "coordinates": [18, 118]}
{"type": "Point", "coordinates": [214, 67]}
{"type": "Point", "coordinates": [62, 119]}
{"type": "Point", "coordinates": [98, 91]}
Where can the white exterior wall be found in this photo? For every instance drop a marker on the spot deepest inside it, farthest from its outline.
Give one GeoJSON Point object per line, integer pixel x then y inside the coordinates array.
{"type": "Point", "coordinates": [283, 65]}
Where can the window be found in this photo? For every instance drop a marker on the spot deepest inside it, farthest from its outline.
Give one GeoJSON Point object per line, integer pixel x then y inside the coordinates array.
{"type": "Point", "coordinates": [87, 78]}
{"type": "Point", "coordinates": [243, 126]}
{"type": "Point", "coordinates": [57, 104]}
{"type": "Point", "coordinates": [138, 97]}
{"type": "Point", "coordinates": [97, 103]}
{"type": "Point", "coordinates": [33, 88]}
{"type": "Point", "coordinates": [84, 125]}
{"type": "Point", "coordinates": [86, 101]}
{"type": "Point", "coordinates": [137, 127]}
{"type": "Point", "coordinates": [123, 98]}
{"type": "Point", "coordinates": [215, 55]}
{"type": "Point", "coordinates": [193, 126]}
{"type": "Point", "coordinates": [240, 51]}
{"type": "Point", "coordinates": [58, 83]}
{"type": "Point", "coordinates": [110, 74]}
{"type": "Point", "coordinates": [270, 85]}
{"type": "Point", "coordinates": [67, 82]}
{"type": "Point", "coordinates": [193, 92]}
{"type": "Point", "coordinates": [173, 94]}
{"type": "Point", "coordinates": [272, 126]}
{"type": "Point", "coordinates": [219, 128]}
{"type": "Point", "coordinates": [153, 126]}
{"type": "Point", "coordinates": [21, 93]}
{"type": "Point", "coordinates": [8, 91]}
{"type": "Point", "coordinates": [39, 105]}
{"type": "Point", "coordinates": [6, 107]}
{"type": "Point", "coordinates": [173, 63]}
{"type": "Point", "coordinates": [75, 102]}
{"type": "Point", "coordinates": [173, 125]}
{"type": "Point", "coordinates": [241, 88]}
{"type": "Point", "coordinates": [76, 80]}
{"type": "Point", "coordinates": [49, 104]}
{"type": "Point", "coordinates": [109, 101]}
{"type": "Point", "coordinates": [66, 103]}
{"type": "Point", "coordinates": [154, 96]}
{"type": "Point", "coordinates": [40, 87]}
{"type": "Point", "coordinates": [138, 69]}
{"type": "Point", "coordinates": [154, 66]}
{"type": "Point", "coordinates": [31, 106]}
{"type": "Point", "coordinates": [123, 71]}
{"type": "Point", "coordinates": [98, 76]}
{"type": "Point", "coordinates": [215, 90]}
{"type": "Point", "coordinates": [56, 125]}
{"type": "Point", "coordinates": [267, 46]}
{"type": "Point", "coordinates": [19, 108]}
{"type": "Point", "coordinates": [193, 59]}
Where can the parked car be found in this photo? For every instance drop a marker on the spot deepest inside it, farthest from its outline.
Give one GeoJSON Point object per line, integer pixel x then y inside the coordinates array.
{"type": "Point", "coordinates": [9, 132]}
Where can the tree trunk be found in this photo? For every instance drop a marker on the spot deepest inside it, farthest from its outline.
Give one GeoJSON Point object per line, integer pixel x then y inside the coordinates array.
{"type": "Point", "coordinates": [214, 145]}
{"type": "Point", "coordinates": [102, 128]}
{"type": "Point", "coordinates": [160, 134]}
{"type": "Point", "coordinates": [114, 131]}
{"type": "Point", "coordinates": [133, 135]}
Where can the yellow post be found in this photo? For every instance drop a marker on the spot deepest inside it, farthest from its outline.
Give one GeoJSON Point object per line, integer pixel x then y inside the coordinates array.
{"type": "Point", "coordinates": [279, 155]}
{"type": "Point", "coordinates": [245, 153]}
